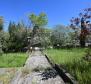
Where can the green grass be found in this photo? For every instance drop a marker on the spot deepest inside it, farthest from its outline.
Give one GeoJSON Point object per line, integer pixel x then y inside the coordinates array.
{"type": "Point", "coordinates": [72, 61]}
{"type": "Point", "coordinates": [12, 60]}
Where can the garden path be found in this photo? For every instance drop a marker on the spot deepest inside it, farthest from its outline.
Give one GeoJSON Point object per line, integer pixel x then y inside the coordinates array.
{"type": "Point", "coordinates": [37, 70]}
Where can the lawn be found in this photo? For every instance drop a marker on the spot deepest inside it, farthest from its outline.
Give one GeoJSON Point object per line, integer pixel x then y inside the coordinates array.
{"type": "Point", "coordinates": [12, 60]}
{"type": "Point", "coordinates": [72, 60]}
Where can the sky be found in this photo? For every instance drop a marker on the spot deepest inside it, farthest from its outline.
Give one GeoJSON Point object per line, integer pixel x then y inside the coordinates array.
{"type": "Point", "coordinates": [58, 11]}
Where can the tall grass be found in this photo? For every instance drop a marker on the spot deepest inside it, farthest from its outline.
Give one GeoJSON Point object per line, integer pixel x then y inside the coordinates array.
{"type": "Point", "coordinates": [13, 60]}
{"type": "Point", "coordinates": [62, 56]}
{"type": "Point", "coordinates": [72, 60]}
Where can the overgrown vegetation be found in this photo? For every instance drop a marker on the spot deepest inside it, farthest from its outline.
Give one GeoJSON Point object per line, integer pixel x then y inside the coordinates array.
{"type": "Point", "coordinates": [72, 61]}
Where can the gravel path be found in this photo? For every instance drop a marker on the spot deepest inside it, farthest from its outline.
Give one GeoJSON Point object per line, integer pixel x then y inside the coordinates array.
{"type": "Point", "coordinates": [37, 70]}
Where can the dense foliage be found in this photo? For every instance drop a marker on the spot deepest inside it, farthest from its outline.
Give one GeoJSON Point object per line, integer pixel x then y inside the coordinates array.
{"type": "Point", "coordinates": [18, 36]}
{"type": "Point", "coordinates": [15, 39]}
{"type": "Point", "coordinates": [64, 36]}
{"type": "Point", "coordinates": [83, 22]}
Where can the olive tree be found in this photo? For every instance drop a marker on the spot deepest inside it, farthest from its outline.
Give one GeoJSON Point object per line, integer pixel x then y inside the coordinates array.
{"type": "Point", "coordinates": [58, 36]}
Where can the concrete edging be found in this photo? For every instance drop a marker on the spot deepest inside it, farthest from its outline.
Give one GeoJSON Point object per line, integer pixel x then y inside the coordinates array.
{"type": "Point", "coordinates": [62, 72]}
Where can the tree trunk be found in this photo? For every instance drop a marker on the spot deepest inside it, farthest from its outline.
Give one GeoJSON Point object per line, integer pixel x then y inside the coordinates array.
{"type": "Point", "coordinates": [82, 43]}
{"type": "Point", "coordinates": [82, 35]}
{"type": "Point", "coordinates": [1, 49]}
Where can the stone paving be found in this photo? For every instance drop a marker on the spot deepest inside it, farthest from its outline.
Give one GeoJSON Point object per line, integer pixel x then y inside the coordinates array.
{"type": "Point", "coordinates": [37, 70]}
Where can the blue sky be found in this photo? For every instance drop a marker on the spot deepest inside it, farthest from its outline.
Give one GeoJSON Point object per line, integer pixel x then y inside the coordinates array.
{"type": "Point", "coordinates": [58, 11]}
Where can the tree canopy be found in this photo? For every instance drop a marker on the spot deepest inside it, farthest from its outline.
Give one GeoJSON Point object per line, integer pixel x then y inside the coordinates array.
{"type": "Point", "coordinates": [83, 21]}
{"type": "Point", "coordinates": [40, 20]}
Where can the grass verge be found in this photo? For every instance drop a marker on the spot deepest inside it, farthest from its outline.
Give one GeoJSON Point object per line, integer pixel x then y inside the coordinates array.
{"type": "Point", "coordinates": [72, 60]}
{"type": "Point", "coordinates": [12, 60]}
